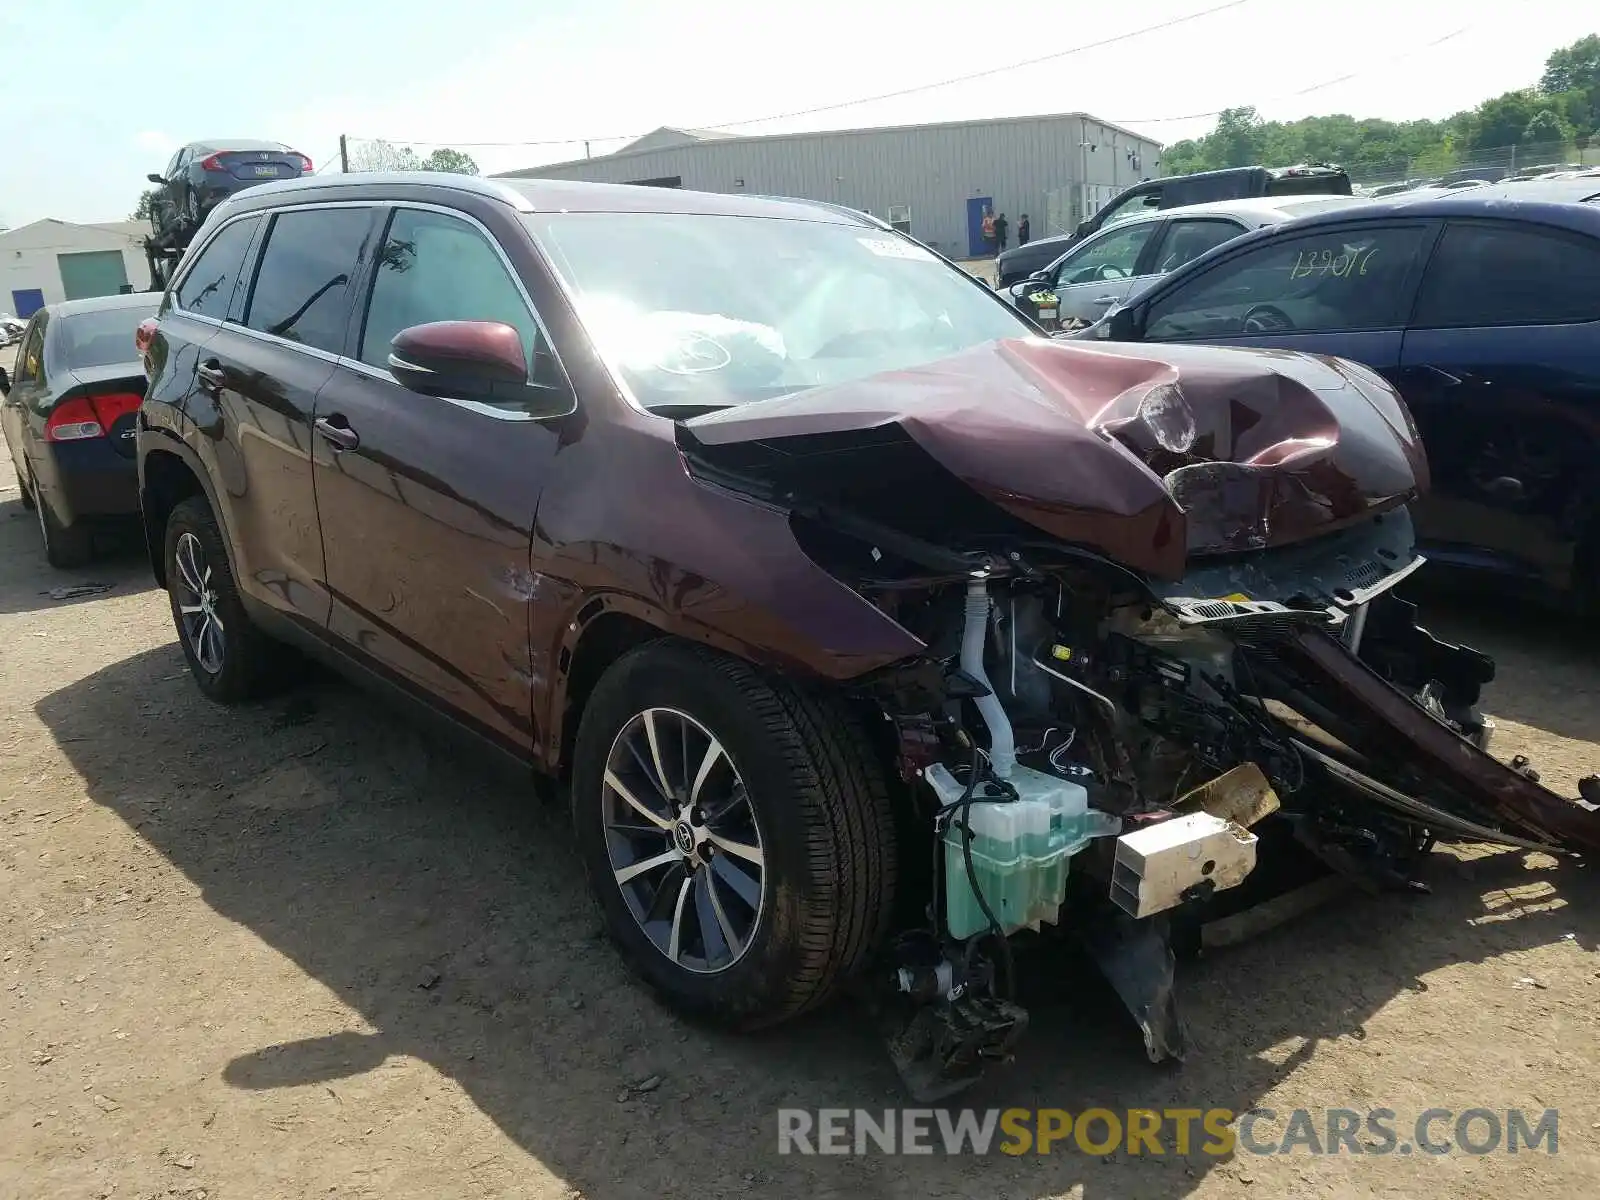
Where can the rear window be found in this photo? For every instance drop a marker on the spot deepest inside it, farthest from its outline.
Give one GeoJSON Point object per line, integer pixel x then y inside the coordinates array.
{"type": "Point", "coordinates": [1332, 184]}
{"type": "Point", "coordinates": [98, 339]}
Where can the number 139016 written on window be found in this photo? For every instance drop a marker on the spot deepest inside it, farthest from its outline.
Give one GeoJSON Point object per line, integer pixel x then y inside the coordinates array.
{"type": "Point", "coordinates": [1344, 263]}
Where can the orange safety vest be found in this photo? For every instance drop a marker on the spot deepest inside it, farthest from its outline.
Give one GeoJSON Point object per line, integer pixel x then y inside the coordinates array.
{"type": "Point", "coordinates": [988, 226]}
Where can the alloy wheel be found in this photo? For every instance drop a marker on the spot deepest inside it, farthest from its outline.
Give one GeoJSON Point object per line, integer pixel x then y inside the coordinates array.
{"type": "Point", "coordinates": [683, 840]}
{"type": "Point", "coordinates": [197, 604]}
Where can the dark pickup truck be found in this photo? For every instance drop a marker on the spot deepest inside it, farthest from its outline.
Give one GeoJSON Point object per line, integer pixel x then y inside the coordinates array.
{"type": "Point", "coordinates": [1234, 183]}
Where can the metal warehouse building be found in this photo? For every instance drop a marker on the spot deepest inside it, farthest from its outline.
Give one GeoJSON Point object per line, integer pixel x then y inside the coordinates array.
{"type": "Point", "coordinates": [53, 260]}
{"type": "Point", "coordinates": [932, 181]}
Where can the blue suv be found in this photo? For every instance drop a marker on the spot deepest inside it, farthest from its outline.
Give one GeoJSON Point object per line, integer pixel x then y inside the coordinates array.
{"type": "Point", "coordinates": [1483, 309]}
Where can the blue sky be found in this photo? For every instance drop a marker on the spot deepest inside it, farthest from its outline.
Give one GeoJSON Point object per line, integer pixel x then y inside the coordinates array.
{"type": "Point", "coordinates": [89, 110]}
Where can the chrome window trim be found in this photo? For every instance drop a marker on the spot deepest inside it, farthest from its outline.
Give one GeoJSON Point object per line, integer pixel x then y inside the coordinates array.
{"type": "Point", "coordinates": [471, 406]}
{"type": "Point", "coordinates": [356, 364]}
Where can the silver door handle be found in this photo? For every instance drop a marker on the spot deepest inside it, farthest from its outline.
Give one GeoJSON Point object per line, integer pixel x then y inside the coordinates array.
{"type": "Point", "coordinates": [341, 436]}
{"type": "Point", "coordinates": [1105, 299]}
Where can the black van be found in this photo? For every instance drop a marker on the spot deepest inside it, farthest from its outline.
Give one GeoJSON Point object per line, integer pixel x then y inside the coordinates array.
{"type": "Point", "coordinates": [1233, 183]}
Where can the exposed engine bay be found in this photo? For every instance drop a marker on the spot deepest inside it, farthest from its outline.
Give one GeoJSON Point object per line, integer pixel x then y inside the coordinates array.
{"type": "Point", "coordinates": [1106, 762]}
{"type": "Point", "coordinates": [1160, 671]}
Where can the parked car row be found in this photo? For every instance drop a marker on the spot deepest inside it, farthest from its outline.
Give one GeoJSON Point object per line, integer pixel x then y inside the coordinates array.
{"type": "Point", "coordinates": [1482, 308]}
{"type": "Point", "coordinates": [1151, 196]}
{"type": "Point", "coordinates": [1079, 287]}
{"type": "Point", "coordinates": [868, 626]}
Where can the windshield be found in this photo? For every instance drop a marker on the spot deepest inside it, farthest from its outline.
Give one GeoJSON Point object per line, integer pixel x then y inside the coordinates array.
{"type": "Point", "coordinates": [98, 339]}
{"type": "Point", "coordinates": [710, 311]}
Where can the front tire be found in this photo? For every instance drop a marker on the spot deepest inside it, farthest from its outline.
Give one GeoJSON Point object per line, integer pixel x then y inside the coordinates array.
{"type": "Point", "coordinates": [737, 833]}
{"type": "Point", "coordinates": [228, 656]}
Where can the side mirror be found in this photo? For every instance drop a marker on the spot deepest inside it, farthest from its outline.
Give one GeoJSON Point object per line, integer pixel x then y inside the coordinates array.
{"type": "Point", "coordinates": [472, 360]}
{"type": "Point", "coordinates": [153, 178]}
{"type": "Point", "coordinates": [5, 383]}
{"type": "Point", "coordinates": [1124, 324]}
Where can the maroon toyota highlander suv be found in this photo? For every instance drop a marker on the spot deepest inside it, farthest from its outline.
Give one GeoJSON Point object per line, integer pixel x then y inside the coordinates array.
{"type": "Point", "coordinates": [871, 629]}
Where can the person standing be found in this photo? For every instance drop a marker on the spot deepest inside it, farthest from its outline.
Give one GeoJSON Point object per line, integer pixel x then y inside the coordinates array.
{"type": "Point", "coordinates": [988, 229]}
{"type": "Point", "coordinates": [1022, 230]}
{"type": "Point", "coordinates": [1000, 232]}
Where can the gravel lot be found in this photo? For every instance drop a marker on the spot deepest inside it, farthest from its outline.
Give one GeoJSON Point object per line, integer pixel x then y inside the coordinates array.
{"type": "Point", "coordinates": [303, 950]}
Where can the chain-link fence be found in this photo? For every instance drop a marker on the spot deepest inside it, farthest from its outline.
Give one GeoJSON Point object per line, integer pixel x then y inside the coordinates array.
{"type": "Point", "coordinates": [1492, 165]}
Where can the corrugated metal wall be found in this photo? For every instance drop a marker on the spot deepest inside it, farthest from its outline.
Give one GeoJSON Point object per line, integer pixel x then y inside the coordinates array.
{"type": "Point", "coordinates": [1027, 165]}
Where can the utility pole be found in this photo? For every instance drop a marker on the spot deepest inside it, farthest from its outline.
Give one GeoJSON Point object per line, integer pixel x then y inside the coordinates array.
{"type": "Point", "coordinates": [586, 149]}
{"type": "Point", "coordinates": [344, 154]}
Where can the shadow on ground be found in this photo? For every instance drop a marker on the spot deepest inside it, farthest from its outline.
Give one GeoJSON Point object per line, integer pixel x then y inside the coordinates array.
{"type": "Point", "coordinates": [442, 902]}
{"type": "Point", "coordinates": [26, 581]}
{"type": "Point", "coordinates": [1546, 660]}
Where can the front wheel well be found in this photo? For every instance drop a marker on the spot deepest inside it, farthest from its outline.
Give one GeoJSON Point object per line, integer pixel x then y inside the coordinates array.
{"type": "Point", "coordinates": [168, 482]}
{"type": "Point", "coordinates": [604, 640]}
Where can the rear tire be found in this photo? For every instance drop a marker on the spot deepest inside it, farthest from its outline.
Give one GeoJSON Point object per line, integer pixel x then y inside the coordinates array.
{"type": "Point", "coordinates": [819, 814]}
{"type": "Point", "coordinates": [228, 656]}
{"type": "Point", "coordinates": [66, 547]}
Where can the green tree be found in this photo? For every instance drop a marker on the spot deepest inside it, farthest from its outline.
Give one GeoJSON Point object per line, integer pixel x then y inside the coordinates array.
{"type": "Point", "coordinates": [1547, 129]}
{"type": "Point", "coordinates": [1185, 157]}
{"type": "Point", "coordinates": [1564, 109]}
{"type": "Point", "coordinates": [1502, 121]}
{"type": "Point", "coordinates": [1238, 137]}
{"type": "Point", "coordinates": [446, 159]}
{"type": "Point", "coordinates": [146, 205]}
{"type": "Point", "coordinates": [1574, 68]}
{"type": "Point", "coordinates": [379, 155]}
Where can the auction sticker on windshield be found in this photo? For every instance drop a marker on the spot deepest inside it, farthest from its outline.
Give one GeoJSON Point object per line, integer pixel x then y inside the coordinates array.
{"type": "Point", "coordinates": [895, 248]}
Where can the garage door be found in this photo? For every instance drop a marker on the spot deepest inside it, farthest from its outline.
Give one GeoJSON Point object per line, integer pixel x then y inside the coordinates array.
{"type": "Point", "coordinates": [92, 273]}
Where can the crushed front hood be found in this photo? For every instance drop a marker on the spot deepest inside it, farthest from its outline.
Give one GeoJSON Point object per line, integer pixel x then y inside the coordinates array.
{"type": "Point", "coordinates": [1052, 433]}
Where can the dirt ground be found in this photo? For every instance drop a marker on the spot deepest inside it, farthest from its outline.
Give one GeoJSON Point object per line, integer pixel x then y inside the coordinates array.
{"type": "Point", "coordinates": [303, 950]}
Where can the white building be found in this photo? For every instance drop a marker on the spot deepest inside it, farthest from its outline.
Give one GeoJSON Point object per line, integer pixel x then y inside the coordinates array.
{"type": "Point", "coordinates": [52, 260]}
{"type": "Point", "coordinates": [931, 181]}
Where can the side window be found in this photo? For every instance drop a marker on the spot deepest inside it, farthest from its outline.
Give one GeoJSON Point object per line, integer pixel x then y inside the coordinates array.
{"type": "Point", "coordinates": [172, 167]}
{"type": "Point", "coordinates": [435, 267]}
{"type": "Point", "coordinates": [1319, 282]}
{"type": "Point", "coordinates": [1186, 241]}
{"type": "Point", "coordinates": [1133, 206]}
{"type": "Point", "coordinates": [1508, 274]}
{"type": "Point", "coordinates": [30, 354]}
{"type": "Point", "coordinates": [207, 290]}
{"type": "Point", "coordinates": [1109, 256]}
{"type": "Point", "coordinates": [302, 286]}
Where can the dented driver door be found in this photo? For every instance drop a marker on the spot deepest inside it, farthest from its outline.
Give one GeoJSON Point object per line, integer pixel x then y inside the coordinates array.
{"type": "Point", "coordinates": [427, 504]}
